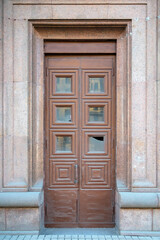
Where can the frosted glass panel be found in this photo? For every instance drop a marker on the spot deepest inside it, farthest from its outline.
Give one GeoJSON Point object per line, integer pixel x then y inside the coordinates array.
{"type": "Point", "coordinates": [63, 114]}
{"type": "Point", "coordinates": [96, 144]}
{"type": "Point", "coordinates": [96, 114]}
{"type": "Point", "coordinates": [96, 84]}
{"type": "Point", "coordinates": [63, 144]}
{"type": "Point", "coordinates": [63, 85]}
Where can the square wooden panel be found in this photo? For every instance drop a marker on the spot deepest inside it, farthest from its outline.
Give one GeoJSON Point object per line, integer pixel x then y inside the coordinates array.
{"type": "Point", "coordinates": [87, 122]}
{"type": "Point", "coordinates": [63, 144]}
{"type": "Point", "coordinates": [71, 121]}
{"type": "Point", "coordinates": [96, 143]}
{"type": "Point", "coordinates": [62, 174]}
{"type": "Point", "coordinates": [69, 90]}
{"type": "Point", "coordinates": [102, 76]}
{"type": "Point", "coordinates": [96, 174]}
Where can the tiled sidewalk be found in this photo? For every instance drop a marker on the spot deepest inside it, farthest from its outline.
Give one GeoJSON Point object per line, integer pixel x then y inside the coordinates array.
{"type": "Point", "coordinates": [74, 237]}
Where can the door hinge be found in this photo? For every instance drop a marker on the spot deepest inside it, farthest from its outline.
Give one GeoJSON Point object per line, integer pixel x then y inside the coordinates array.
{"type": "Point", "coordinates": [46, 72]}
{"type": "Point", "coordinates": [46, 143]}
{"type": "Point", "coordinates": [113, 143]}
{"type": "Point", "coordinates": [46, 210]}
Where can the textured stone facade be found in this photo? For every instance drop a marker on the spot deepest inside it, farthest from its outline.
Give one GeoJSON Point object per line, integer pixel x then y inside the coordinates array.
{"type": "Point", "coordinates": [136, 26]}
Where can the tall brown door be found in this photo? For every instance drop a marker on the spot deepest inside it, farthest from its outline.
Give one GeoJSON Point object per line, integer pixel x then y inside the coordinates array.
{"type": "Point", "coordinates": [79, 130]}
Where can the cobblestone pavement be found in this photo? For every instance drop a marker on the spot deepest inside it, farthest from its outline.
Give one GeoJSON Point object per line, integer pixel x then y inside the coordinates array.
{"type": "Point", "coordinates": [74, 237]}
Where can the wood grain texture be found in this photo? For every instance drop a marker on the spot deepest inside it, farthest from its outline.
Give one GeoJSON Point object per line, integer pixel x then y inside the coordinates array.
{"type": "Point", "coordinates": [79, 183]}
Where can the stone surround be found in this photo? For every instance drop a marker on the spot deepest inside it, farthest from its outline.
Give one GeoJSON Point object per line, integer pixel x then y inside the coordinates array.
{"type": "Point", "coordinates": [24, 25]}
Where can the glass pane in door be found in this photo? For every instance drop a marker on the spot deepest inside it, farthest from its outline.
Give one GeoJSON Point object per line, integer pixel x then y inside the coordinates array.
{"type": "Point", "coordinates": [63, 85]}
{"type": "Point", "coordinates": [63, 144]}
{"type": "Point", "coordinates": [96, 144]}
{"type": "Point", "coordinates": [63, 114]}
{"type": "Point", "coordinates": [96, 84]}
{"type": "Point", "coordinates": [96, 114]}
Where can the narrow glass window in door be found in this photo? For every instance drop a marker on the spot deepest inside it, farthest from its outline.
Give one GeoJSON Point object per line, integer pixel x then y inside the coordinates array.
{"type": "Point", "coordinates": [96, 84]}
{"type": "Point", "coordinates": [96, 114]}
{"type": "Point", "coordinates": [96, 144]}
{"type": "Point", "coordinates": [63, 144]}
{"type": "Point", "coordinates": [63, 85]}
{"type": "Point", "coordinates": [63, 114]}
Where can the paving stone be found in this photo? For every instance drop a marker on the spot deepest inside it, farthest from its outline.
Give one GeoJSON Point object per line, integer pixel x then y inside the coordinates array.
{"type": "Point", "coordinates": [1, 237]}
{"type": "Point", "coordinates": [34, 237]}
{"type": "Point", "coordinates": [7, 237]}
{"type": "Point", "coordinates": [14, 237]}
{"type": "Point", "coordinates": [27, 237]}
{"type": "Point", "coordinates": [40, 237]}
{"type": "Point", "coordinates": [88, 236]}
{"type": "Point", "coordinates": [142, 238]}
{"type": "Point", "coordinates": [48, 237]}
{"type": "Point", "coordinates": [21, 237]}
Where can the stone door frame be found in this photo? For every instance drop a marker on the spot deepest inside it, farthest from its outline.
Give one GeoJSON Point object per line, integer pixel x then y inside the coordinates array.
{"type": "Point", "coordinates": [114, 30]}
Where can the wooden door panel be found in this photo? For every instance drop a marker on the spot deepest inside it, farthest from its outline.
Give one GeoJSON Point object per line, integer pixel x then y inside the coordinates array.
{"type": "Point", "coordinates": [63, 113]}
{"type": "Point", "coordinates": [76, 62]}
{"type": "Point", "coordinates": [96, 114]}
{"type": "Point", "coordinates": [63, 83]}
{"type": "Point", "coordinates": [64, 203]}
{"type": "Point", "coordinates": [62, 174]}
{"type": "Point", "coordinates": [97, 83]}
{"type": "Point", "coordinates": [97, 143]}
{"type": "Point", "coordinates": [96, 174]}
{"type": "Point", "coordinates": [79, 164]}
{"type": "Point", "coordinates": [96, 206]}
{"type": "Point", "coordinates": [63, 144]}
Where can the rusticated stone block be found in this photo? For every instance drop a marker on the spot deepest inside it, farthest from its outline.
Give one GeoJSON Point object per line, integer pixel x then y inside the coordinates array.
{"type": "Point", "coordinates": [2, 219]}
{"type": "Point", "coordinates": [22, 219]}
{"type": "Point", "coordinates": [136, 219]}
{"type": "Point", "coordinates": [156, 219]}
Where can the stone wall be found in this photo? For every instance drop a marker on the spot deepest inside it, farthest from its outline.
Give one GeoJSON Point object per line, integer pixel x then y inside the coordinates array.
{"type": "Point", "coordinates": [21, 111]}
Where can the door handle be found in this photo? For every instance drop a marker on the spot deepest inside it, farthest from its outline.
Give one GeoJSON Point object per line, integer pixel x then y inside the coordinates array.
{"type": "Point", "coordinates": [76, 173]}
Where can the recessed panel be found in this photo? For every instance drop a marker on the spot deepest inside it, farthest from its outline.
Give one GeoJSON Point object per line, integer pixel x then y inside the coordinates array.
{"type": "Point", "coordinates": [96, 113]}
{"type": "Point", "coordinates": [63, 144]}
{"type": "Point", "coordinates": [63, 114]}
{"type": "Point", "coordinates": [63, 83]}
{"type": "Point", "coordinates": [96, 174]}
{"type": "Point", "coordinates": [62, 173]}
{"type": "Point", "coordinates": [96, 143]}
{"type": "Point", "coordinates": [96, 84]}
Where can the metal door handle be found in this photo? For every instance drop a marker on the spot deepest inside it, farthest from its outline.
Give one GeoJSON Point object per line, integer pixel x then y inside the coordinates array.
{"type": "Point", "coordinates": [76, 173]}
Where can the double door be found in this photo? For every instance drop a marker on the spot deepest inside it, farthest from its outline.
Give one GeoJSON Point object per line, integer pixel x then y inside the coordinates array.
{"type": "Point", "coordinates": [80, 132]}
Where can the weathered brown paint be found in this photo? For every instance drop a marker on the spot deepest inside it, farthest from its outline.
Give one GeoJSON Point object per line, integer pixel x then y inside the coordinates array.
{"type": "Point", "coordinates": [79, 185]}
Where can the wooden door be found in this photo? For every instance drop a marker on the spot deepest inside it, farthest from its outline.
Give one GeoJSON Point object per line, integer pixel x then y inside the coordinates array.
{"type": "Point", "coordinates": [80, 132]}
